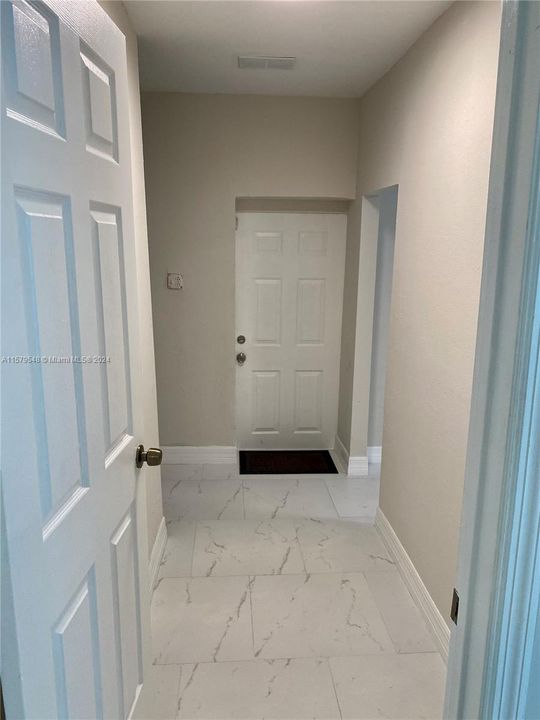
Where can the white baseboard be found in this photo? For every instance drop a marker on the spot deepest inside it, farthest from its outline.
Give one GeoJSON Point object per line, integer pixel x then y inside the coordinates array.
{"type": "Point", "coordinates": [374, 454]}
{"type": "Point", "coordinates": [355, 466]}
{"type": "Point", "coordinates": [157, 554]}
{"type": "Point", "coordinates": [341, 455]}
{"type": "Point", "coordinates": [213, 454]}
{"type": "Point", "coordinates": [415, 585]}
{"type": "Point", "coordinates": [358, 466]}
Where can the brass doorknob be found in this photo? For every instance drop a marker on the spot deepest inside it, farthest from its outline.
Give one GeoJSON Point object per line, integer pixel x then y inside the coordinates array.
{"type": "Point", "coordinates": [241, 358]}
{"type": "Point", "coordinates": [152, 456]}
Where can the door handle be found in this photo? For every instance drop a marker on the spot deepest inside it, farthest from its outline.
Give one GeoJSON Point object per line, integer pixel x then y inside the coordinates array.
{"type": "Point", "coordinates": [241, 358]}
{"type": "Point", "coordinates": [152, 456]}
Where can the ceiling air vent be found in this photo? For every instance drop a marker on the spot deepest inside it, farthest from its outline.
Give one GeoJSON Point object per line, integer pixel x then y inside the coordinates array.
{"type": "Point", "coordinates": [265, 62]}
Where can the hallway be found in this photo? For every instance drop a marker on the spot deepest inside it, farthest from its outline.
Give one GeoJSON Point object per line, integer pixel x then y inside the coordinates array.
{"type": "Point", "coordinates": [277, 598]}
{"type": "Point", "coordinates": [267, 225]}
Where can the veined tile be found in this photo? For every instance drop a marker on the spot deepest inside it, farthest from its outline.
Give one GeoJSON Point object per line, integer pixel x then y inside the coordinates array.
{"type": "Point", "coordinates": [362, 520]}
{"type": "Point", "coordinates": [278, 689]}
{"type": "Point", "coordinates": [165, 689]}
{"type": "Point", "coordinates": [354, 497]}
{"type": "Point", "coordinates": [402, 687]}
{"type": "Point", "coordinates": [204, 500]}
{"type": "Point", "coordinates": [176, 560]}
{"type": "Point", "coordinates": [402, 618]}
{"type": "Point", "coordinates": [276, 497]}
{"type": "Point", "coordinates": [217, 471]}
{"type": "Point", "coordinates": [170, 474]}
{"type": "Point", "coordinates": [342, 546]}
{"type": "Point", "coordinates": [315, 616]}
{"type": "Point", "coordinates": [260, 547]}
{"type": "Point", "coordinates": [201, 619]}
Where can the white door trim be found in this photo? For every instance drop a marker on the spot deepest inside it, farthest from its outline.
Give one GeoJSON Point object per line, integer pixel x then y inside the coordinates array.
{"type": "Point", "coordinates": [499, 558]}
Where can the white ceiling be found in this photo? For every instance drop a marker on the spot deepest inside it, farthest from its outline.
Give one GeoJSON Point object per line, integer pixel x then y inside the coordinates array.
{"type": "Point", "coordinates": [342, 47]}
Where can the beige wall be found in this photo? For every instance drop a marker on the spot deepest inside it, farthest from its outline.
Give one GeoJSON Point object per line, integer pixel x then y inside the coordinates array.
{"type": "Point", "coordinates": [150, 477]}
{"type": "Point", "coordinates": [427, 127]}
{"type": "Point", "coordinates": [201, 153]}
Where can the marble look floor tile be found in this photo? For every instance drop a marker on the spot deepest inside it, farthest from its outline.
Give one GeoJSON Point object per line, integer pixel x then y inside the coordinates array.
{"type": "Point", "coordinates": [260, 547]}
{"type": "Point", "coordinates": [172, 473]}
{"type": "Point", "coordinates": [162, 699]}
{"type": "Point", "coordinates": [278, 689]}
{"type": "Point", "coordinates": [178, 553]}
{"type": "Point", "coordinates": [360, 520]}
{"type": "Point", "coordinates": [342, 546]}
{"type": "Point", "coordinates": [291, 497]}
{"type": "Point", "coordinates": [403, 687]}
{"type": "Point", "coordinates": [354, 497]}
{"type": "Point", "coordinates": [401, 616]}
{"type": "Point", "coordinates": [220, 472]}
{"type": "Point", "coordinates": [315, 616]}
{"type": "Point", "coordinates": [201, 619]}
{"type": "Point", "coordinates": [204, 500]}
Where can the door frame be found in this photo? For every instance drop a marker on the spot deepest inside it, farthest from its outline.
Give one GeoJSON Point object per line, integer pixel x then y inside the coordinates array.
{"type": "Point", "coordinates": [499, 557]}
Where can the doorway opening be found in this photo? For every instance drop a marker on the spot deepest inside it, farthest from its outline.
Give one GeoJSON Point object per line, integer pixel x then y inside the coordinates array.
{"type": "Point", "coordinates": [367, 323]}
{"type": "Point", "coordinates": [381, 320]}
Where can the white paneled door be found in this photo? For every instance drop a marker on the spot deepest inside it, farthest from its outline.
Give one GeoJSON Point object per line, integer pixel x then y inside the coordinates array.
{"type": "Point", "coordinates": [289, 299]}
{"type": "Point", "coordinates": [77, 645]}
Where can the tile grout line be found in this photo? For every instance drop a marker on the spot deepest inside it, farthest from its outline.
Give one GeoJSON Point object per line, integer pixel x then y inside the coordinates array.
{"type": "Point", "coordinates": [282, 574]}
{"type": "Point", "coordinates": [178, 693]}
{"type": "Point", "coordinates": [338, 516]}
{"type": "Point", "coordinates": [334, 686]}
{"type": "Point", "coordinates": [251, 580]}
{"type": "Point", "coordinates": [193, 548]}
{"type": "Point", "coordinates": [376, 604]}
{"type": "Point", "coordinates": [389, 653]}
{"type": "Point", "coordinates": [422, 620]}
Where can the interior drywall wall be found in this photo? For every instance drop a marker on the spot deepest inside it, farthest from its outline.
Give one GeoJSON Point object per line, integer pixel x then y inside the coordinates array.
{"type": "Point", "coordinates": [381, 314]}
{"type": "Point", "coordinates": [201, 153]}
{"type": "Point", "coordinates": [150, 477]}
{"type": "Point", "coordinates": [427, 127]}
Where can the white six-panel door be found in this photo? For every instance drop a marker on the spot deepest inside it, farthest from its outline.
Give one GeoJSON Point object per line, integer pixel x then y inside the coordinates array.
{"type": "Point", "coordinates": [69, 383]}
{"type": "Point", "coordinates": [289, 299]}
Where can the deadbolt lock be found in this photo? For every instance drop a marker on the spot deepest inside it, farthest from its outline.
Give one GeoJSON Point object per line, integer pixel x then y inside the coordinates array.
{"type": "Point", "coordinates": [241, 339]}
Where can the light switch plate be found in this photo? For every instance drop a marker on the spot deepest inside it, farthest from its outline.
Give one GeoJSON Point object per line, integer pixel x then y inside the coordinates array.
{"type": "Point", "coordinates": [175, 281]}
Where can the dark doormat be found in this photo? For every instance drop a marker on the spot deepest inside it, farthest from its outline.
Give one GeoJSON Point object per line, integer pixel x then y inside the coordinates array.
{"type": "Point", "coordinates": [286, 462]}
